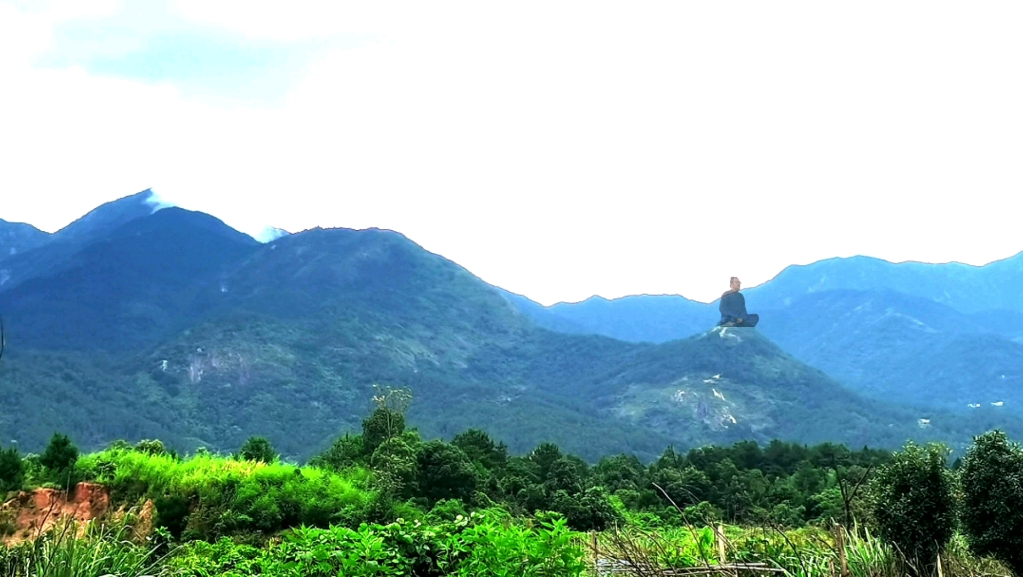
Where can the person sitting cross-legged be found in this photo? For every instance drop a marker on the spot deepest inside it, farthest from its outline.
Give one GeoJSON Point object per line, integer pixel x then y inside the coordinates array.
{"type": "Point", "coordinates": [733, 308]}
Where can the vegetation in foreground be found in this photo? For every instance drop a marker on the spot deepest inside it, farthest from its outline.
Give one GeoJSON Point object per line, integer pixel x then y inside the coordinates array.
{"type": "Point", "coordinates": [386, 502]}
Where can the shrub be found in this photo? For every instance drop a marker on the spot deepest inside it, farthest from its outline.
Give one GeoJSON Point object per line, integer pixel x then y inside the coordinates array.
{"type": "Point", "coordinates": [231, 496]}
{"type": "Point", "coordinates": [172, 514]}
{"type": "Point", "coordinates": [467, 546]}
{"type": "Point", "coordinates": [151, 447]}
{"type": "Point", "coordinates": [258, 449]}
{"type": "Point", "coordinates": [991, 480]}
{"type": "Point", "coordinates": [912, 501]}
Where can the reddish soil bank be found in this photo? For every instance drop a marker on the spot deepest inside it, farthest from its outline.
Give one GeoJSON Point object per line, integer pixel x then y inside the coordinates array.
{"type": "Point", "coordinates": [32, 513]}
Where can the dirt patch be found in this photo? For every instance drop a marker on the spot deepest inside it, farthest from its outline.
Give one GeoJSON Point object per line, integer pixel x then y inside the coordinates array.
{"type": "Point", "coordinates": [32, 513]}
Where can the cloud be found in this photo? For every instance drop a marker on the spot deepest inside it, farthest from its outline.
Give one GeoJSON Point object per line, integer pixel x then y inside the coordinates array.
{"type": "Point", "coordinates": [152, 42]}
{"type": "Point", "coordinates": [555, 149]}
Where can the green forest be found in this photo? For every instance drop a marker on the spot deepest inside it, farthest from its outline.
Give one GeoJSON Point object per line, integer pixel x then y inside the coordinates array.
{"type": "Point", "coordinates": [389, 502]}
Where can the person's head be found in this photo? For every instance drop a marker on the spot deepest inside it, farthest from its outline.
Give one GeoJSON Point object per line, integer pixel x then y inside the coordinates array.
{"type": "Point", "coordinates": [734, 283]}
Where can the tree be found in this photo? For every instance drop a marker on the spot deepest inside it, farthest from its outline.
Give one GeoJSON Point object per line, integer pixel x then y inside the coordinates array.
{"type": "Point", "coordinates": [12, 470]}
{"type": "Point", "coordinates": [445, 472]}
{"type": "Point", "coordinates": [545, 455]}
{"type": "Point", "coordinates": [566, 474]}
{"type": "Point", "coordinates": [258, 449]}
{"type": "Point", "coordinates": [912, 502]}
{"type": "Point", "coordinates": [991, 480]}
{"type": "Point", "coordinates": [60, 454]}
{"type": "Point", "coordinates": [381, 425]}
{"type": "Point", "coordinates": [388, 420]}
{"type": "Point", "coordinates": [586, 511]}
{"type": "Point", "coordinates": [395, 463]}
{"type": "Point", "coordinates": [343, 453]}
{"type": "Point", "coordinates": [481, 448]}
{"type": "Point", "coordinates": [151, 447]}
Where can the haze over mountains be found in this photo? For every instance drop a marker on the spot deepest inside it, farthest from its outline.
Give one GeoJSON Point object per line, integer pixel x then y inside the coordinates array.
{"type": "Point", "coordinates": [934, 335]}
{"type": "Point", "coordinates": [131, 323]}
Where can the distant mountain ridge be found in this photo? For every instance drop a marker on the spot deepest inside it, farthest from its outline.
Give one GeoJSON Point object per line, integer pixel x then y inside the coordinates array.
{"type": "Point", "coordinates": [49, 251]}
{"type": "Point", "coordinates": [173, 325]}
{"type": "Point", "coordinates": [18, 237]}
{"type": "Point", "coordinates": [966, 288]}
{"type": "Point", "coordinates": [918, 333]}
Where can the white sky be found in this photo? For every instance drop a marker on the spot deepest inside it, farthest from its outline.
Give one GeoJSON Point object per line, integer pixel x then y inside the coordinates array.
{"type": "Point", "coordinates": [555, 149]}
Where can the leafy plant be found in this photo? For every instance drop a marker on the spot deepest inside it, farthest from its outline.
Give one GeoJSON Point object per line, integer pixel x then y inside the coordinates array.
{"type": "Point", "coordinates": [913, 505]}
{"type": "Point", "coordinates": [991, 480]}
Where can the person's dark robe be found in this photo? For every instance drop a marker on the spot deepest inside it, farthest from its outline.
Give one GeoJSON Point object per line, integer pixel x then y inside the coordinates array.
{"type": "Point", "coordinates": [733, 308]}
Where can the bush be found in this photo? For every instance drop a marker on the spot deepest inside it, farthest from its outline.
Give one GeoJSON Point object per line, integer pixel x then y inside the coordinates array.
{"type": "Point", "coordinates": [258, 449]}
{"type": "Point", "coordinates": [991, 480]}
{"type": "Point", "coordinates": [912, 502]}
{"type": "Point", "coordinates": [150, 447]}
{"type": "Point", "coordinates": [468, 545]}
{"type": "Point", "coordinates": [232, 497]}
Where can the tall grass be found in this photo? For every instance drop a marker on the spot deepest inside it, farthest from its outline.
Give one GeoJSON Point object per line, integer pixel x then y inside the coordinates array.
{"type": "Point", "coordinates": [805, 552]}
{"type": "Point", "coordinates": [73, 550]}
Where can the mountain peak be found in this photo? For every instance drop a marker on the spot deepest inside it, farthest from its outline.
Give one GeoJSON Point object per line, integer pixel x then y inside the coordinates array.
{"type": "Point", "coordinates": [110, 216]}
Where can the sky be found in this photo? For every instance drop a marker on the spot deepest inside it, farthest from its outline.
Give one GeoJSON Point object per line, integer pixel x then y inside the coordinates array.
{"type": "Point", "coordinates": [556, 149]}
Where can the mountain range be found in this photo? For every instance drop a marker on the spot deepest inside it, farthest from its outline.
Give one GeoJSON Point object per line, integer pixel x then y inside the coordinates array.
{"type": "Point", "coordinates": [134, 322]}
{"type": "Point", "coordinates": [937, 336]}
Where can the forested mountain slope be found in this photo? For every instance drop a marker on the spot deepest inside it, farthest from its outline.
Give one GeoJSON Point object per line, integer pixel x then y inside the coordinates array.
{"type": "Point", "coordinates": [173, 325]}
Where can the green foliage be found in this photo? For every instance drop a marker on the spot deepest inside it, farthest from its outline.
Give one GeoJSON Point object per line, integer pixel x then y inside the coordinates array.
{"type": "Point", "coordinates": [479, 447]}
{"type": "Point", "coordinates": [59, 459]}
{"type": "Point", "coordinates": [395, 463]}
{"type": "Point", "coordinates": [227, 497]}
{"type": "Point", "coordinates": [172, 513]}
{"type": "Point", "coordinates": [913, 504]}
{"type": "Point", "coordinates": [258, 449]}
{"type": "Point", "coordinates": [101, 550]}
{"type": "Point", "coordinates": [466, 546]}
{"type": "Point", "coordinates": [380, 426]}
{"type": "Point", "coordinates": [445, 472]}
{"type": "Point", "coordinates": [12, 470]}
{"type": "Point", "coordinates": [150, 447]}
{"type": "Point", "coordinates": [991, 480]}
{"type": "Point", "coordinates": [588, 510]}
{"type": "Point", "coordinates": [344, 452]}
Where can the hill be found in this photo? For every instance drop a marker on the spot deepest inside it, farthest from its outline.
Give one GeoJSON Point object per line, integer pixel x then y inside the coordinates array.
{"type": "Point", "coordinates": [918, 334]}
{"type": "Point", "coordinates": [638, 319]}
{"type": "Point", "coordinates": [128, 288]}
{"type": "Point", "coordinates": [50, 252]}
{"type": "Point", "coordinates": [18, 237]}
{"type": "Point", "coordinates": [175, 326]}
{"type": "Point", "coordinates": [907, 349]}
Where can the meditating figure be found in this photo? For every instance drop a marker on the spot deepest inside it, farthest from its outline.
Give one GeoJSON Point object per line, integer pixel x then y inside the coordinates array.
{"type": "Point", "coordinates": [733, 308]}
